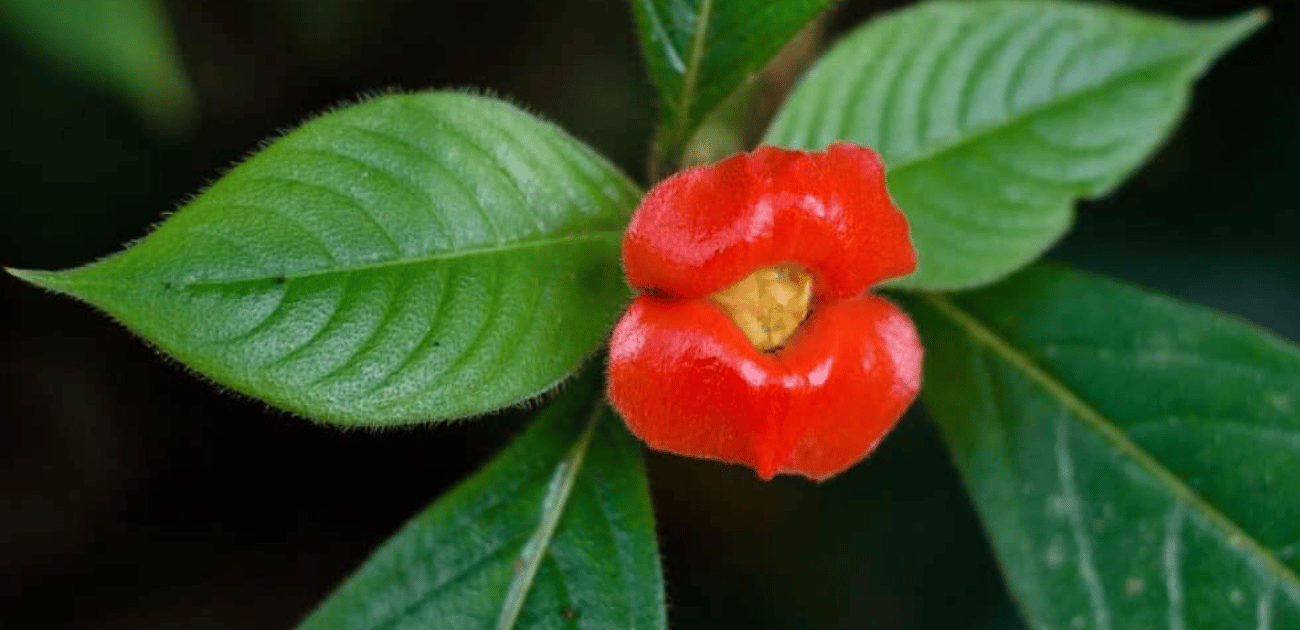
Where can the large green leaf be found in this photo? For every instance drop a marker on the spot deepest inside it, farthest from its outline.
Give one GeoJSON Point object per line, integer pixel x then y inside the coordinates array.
{"type": "Point", "coordinates": [699, 51]}
{"type": "Point", "coordinates": [993, 117]}
{"type": "Point", "coordinates": [414, 257]}
{"type": "Point", "coordinates": [1134, 458]}
{"type": "Point", "coordinates": [557, 532]}
{"type": "Point", "coordinates": [124, 45]}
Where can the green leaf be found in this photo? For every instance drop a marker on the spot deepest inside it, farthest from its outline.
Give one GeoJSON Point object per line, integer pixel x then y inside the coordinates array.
{"type": "Point", "coordinates": [415, 257]}
{"type": "Point", "coordinates": [1133, 457]}
{"type": "Point", "coordinates": [994, 117]}
{"type": "Point", "coordinates": [124, 45]}
{"type": "Point", "coordinates": [556, 532]}
{"type": "Point", "coordinates": [699, 51]}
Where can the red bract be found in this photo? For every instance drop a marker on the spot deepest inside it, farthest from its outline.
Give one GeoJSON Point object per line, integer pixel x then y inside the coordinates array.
{"type": "Point", "coordinates": [704, 362]}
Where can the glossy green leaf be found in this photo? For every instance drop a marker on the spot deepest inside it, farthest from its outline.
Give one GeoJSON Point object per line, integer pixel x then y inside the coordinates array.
{"type": "Point", "coordinates": [556, 532]}
{"type": "Point", "coordinates": [415, 257]}
{"type": "Point", "coordinates": [124, 45]}
{"type": "Point", "coordinates": [699, 51]}
{"type": "Point", "coordinates": [1134, 458]}
{"type": "Point", "coordinates": [994, 117]}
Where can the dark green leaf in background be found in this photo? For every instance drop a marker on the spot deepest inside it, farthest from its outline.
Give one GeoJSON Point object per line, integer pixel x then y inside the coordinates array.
{"type": "Point", "coordinates": [556, 532]}
{"type": "Point", "coordinates": [993, 117]}
{"type": "Point", "coordinates": [323, 28]}
{"type": "Point", "coordinates": [1134, 458]}
{"type": "Point", "coordinates": [699, 51]}
{"type": "Point", "coordinates": [415, 257]}
{"type": "Point", "coordinates": [123, 45]}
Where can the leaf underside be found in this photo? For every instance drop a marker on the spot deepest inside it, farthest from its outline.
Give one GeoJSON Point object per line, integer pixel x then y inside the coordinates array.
{"type": "Point", "coordinates": [994, 117]}
{"type": "Point", "coordinates": [1132, 457]}
{"type": "Point", "coordinates": [415, 257]}
{"type": "Point", "coordinates": [556, 532]}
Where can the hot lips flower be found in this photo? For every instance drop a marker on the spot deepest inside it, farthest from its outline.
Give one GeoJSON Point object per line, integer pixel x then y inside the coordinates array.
{"type": "Point", "coordinates": [753, 339]}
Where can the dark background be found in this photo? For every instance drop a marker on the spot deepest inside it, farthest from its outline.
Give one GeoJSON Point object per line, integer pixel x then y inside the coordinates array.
{"type": "Point", "coordinates": [133, 495]}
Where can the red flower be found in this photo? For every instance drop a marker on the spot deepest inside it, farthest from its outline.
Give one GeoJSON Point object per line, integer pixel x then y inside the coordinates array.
{"type": "Point", "coordinates": [754, 339]}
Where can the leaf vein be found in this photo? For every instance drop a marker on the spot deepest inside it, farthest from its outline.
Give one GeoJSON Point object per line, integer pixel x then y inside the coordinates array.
{"type": "Point", "coordinates": [921, 156]}
{"type": "Point", "coordinates": [1047, 34]}
{"type": "Point", "coordinates": [1095, 421]}
{"type": "Point", "coordinates": [518, 143]}
{"type": "Point", "coordinates": [561, 240]}
{"type": "Point", "coordinates": [1269, 435]}
{"type": "Point", "coordinates": [392, 620]}
{"type": "Point", "coordinates": [887, 97]}
{"type": "Point", "coordinates": [1074, 509]}
{"type": "Point", "coordinates": [450, 289]}
{"type": "Point", "coordinates": [514, 346]}
{"type": "Point", "coordinates": [1264, 610]}
{"type": "Point", "coordinates": [262, 324]}
{"type": "Point", "coordinates": [1173, 552]}
{"type": "Point", "coordinates": [553, 507]}
{"type": "Point", "coordinates": [624, 585]}
{"type": "Point", "coordinates": [348, 201]}
{"type": "Point", "coordinates": [994, 46]}
{"type": "Point", "coordinates": [1170, 355]}
{"type": "Point", "coordinates": [855, 94]}
{"type": "Point", "coordinates": [400, 180]}
{"type": "Point", "coordinates": [335, 312]}
{"type": "Point", "coordinates": [954, 39]}
{"type": "Point", "coordinates": [432, 160]}
{"type": "Point", "coordinates": [452, 131]}
{"type": "Point", "coordinates": [292, 221]}
{"type": "Point", "coordinates": [490, 315]}
{"type": "Point", "coordinates": [391, 301]}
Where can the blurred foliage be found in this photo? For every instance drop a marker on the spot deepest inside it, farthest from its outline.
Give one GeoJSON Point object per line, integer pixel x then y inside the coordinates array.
{"type": "Point", "coordinates": [124, 45]}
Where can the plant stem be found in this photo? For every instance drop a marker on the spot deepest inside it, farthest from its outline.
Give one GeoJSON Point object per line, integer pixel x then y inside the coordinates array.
{"type": "Point", "coordinates": [671, 142]}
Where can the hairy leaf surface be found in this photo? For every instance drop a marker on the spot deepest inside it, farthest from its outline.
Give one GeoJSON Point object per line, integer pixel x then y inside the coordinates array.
{"type": "Point", "coordinates": [415, 257]}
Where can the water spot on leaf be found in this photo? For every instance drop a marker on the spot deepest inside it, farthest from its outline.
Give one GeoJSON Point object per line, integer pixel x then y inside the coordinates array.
{"type": "Point", "coordinates": [1154, 357]}
{"type": "Point", "coordinates": [1134, 586]}
{"type": "Point", "coordinates": [1282, 402]}
{"type": "Point", "coordinates": [1058, 506]}
{"type": "Point", "coordinates": [1054, 555]}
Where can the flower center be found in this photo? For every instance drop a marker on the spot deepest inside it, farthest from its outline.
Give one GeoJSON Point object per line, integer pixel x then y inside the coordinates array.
{"type": "Point", "coordinates": [769, 304]}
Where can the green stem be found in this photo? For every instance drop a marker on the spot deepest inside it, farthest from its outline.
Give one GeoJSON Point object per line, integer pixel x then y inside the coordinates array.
{"type": "Point", "coordinates": [672, 145]}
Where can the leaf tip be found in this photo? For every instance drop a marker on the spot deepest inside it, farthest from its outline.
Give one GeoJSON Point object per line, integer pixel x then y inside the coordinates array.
{"type": "Point", "coordinates": [49, 280]}
{"type": "Point", "coordinates": [1239, 27]}
{"type": "Point", "coordinates": [29, 276]}
{"type": "Point", "coordinates": [1257, 17]}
